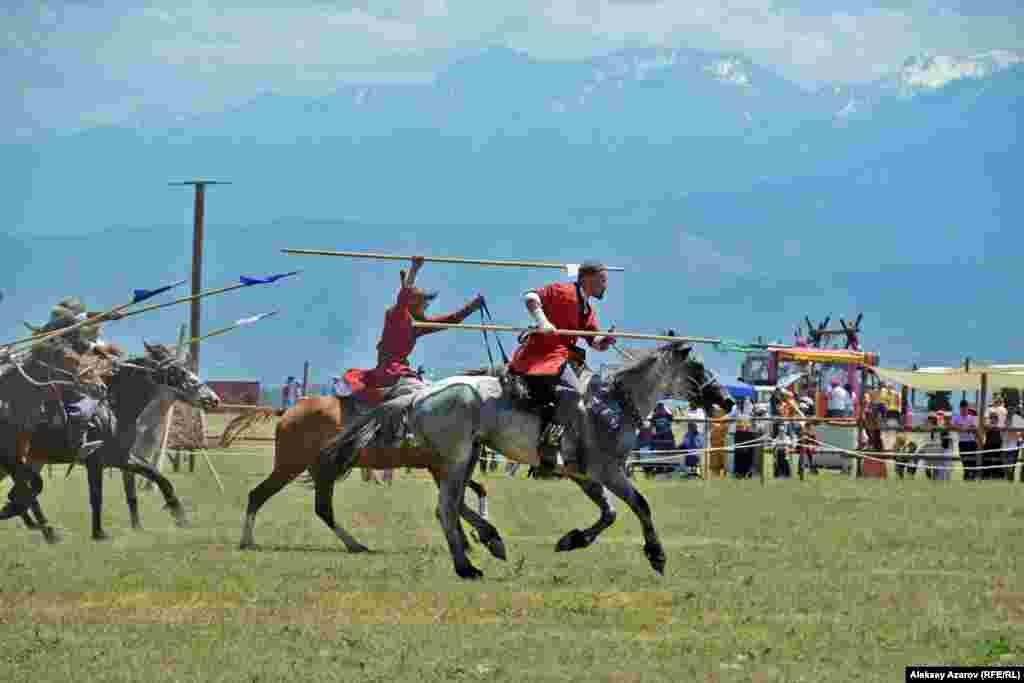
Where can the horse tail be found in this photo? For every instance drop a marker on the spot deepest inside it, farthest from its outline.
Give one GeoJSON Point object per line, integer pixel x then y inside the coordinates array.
{"type": "Point", "coordinates": [385, 421]}
{"type": "Point", "coordinates": [244, 422]}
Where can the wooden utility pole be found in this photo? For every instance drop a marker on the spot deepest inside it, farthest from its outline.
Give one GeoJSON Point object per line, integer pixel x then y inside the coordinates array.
{"type": "Point", "coordinates": [305, 378]}
{"type": "Point", "coordinates": [197, 262]}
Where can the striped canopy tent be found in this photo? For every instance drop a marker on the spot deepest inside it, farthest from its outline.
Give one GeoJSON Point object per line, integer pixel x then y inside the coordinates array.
{"type": "Point", "coordinates": [957, 379]}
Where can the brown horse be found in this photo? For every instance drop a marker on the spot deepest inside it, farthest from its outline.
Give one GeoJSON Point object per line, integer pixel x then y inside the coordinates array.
{"type": "Point", "coordinates": [308, 427]}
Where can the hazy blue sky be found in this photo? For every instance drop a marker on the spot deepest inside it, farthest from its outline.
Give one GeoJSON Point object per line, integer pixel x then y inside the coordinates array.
{"type": "Point", "coordinates": [933, 211]}
{"type": "Point", "coordinates": [77, 64]}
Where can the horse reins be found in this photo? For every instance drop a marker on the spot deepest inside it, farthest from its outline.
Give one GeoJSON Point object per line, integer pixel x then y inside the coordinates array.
{"type": "Point", "coordinates": [487, 342]}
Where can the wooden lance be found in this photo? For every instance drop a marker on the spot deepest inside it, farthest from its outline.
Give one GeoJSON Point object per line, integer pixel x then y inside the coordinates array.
{"type": "Point", "coordinates": [440, 259]}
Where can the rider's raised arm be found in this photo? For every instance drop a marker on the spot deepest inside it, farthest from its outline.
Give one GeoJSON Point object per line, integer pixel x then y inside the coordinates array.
{"type": "Point", "coordinates": [452, 318]}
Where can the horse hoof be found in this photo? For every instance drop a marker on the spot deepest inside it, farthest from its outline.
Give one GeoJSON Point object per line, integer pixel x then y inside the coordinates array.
{"type": "Point", "coordinates": [656, 556]}
{"type": "Point", "coordinates": [358, 548]}
{"type": "Point", "coordinates": [496, 546]}
{"type": "Point", "coordinates": [469, 572]}
{"type": "Point", "coordinates": [137, 527]}
{"type": "Point", "coordinates": [51, 535]}
{"type": "Point", "coordinates": [247, 545]}
{"type": "Point", "coordinates": [180, 516]}
{"type": "Point", "coordinates": [573, 540]}
{"type": "Point", "coordinates": [101, 536]}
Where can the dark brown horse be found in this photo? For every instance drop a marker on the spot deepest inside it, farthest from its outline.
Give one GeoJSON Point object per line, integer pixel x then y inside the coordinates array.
{"type": "Point", "coordinates": [309, 426]}
{"type": "Point", "coordinates": [129, 425]}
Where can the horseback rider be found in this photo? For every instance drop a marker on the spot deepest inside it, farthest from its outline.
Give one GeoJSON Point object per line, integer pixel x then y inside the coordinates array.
{"type": "Point", "coordinates": [545, 360]}
{"type": "Point", "coordinates": [79, 409]}
{"type": "Point", "coordinates": [393, 375]}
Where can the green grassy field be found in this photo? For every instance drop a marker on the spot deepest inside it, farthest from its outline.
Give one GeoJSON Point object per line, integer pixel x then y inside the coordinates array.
{"type": "Point", "coordinates": [793, 581]}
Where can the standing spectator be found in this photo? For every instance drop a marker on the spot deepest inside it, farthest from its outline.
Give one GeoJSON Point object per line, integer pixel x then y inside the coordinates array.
{"type": "Point", "coordinates": [892, 403]}
{"type": "Point", "coordinates": [994, 443]}
{"type": "Point", "coordinates": [743, 456]}
{"type": "Point", "coordinates": [719, 436]}
{"type": "Point", "coordinates": [808, 447]}
{"type": "Point", "coordinates": [998, 409]}
{"type": "Point", "coordinates": [692, 441]}
{"type": "Point", "coordinates": [905, 461]}
{"type": "Point", "coordinates": [664, 439]}
{"type": "Point", "coordinates": [1018, 456]}
{"type": "Point", "coordinates": [838, 400]}
{"type": "Point", "coordinates": [851, 399]}
{"type": "Point", "coordinates": [937, 446]}
{"type": "Point", "coordinates": [290, 392]}
{"type": "Point", "coordinates": [967, 424]}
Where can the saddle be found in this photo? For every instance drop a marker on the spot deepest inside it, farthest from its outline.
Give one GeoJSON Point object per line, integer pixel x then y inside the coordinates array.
{"type": "Point", "coordinates": [356, 408]}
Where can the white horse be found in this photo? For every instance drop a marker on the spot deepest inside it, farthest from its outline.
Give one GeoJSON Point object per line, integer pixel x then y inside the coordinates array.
{"type": "Point", "coordinates": [454, 414]}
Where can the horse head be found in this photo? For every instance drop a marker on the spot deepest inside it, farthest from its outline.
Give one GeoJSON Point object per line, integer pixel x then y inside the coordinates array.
{"type": "Point", "coordinates": [684, 374]}
{"type": "Point", "coordinates": [171, 370]}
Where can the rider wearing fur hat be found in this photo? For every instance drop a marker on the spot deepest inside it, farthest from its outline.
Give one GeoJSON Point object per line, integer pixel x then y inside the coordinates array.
{"type": "Point", "coordinates": [78, 407]}
{"type": "Point", "coordinates": [544, 359]}
{"type": "Point", "coordinates": [71, 311]}
{"type": "Point", "coordinates": [393, 375]}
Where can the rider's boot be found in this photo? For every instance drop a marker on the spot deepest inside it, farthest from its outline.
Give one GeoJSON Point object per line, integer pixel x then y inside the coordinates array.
{"type": "Point", "coordinates": [549, 444]}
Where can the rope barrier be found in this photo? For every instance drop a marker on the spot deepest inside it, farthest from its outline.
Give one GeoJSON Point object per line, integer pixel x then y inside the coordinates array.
{"type": "Point", "coordinates": [862, 455]}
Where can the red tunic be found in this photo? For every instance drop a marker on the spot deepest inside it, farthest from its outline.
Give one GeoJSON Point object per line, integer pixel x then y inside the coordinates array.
{"type": "Point", "coordinates": [566, 308]}
{"type": "Point", "coordinates": [397, 341]}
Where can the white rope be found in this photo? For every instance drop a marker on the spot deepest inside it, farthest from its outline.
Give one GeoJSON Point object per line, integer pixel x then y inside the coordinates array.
{"type": "Point", "coordinates": [666, 456]}
{"type": "Point", "coordinates": [864, 456]}
{"type": "Point", "coordinates": [678, 455]}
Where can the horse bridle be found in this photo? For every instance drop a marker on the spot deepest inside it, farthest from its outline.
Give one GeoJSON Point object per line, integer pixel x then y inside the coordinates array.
{"type": "Point", "coordinates": [163, 374]}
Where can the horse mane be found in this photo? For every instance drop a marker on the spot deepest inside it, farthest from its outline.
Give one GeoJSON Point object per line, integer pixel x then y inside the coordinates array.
{"type": "Point", "coordinates": [643, 361]}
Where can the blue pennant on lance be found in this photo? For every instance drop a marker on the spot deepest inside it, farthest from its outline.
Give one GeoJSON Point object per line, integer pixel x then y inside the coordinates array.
{"type": "Point", "coordinates": [139, 295]}
{"type": "Point", "coordinates": [265, 280]}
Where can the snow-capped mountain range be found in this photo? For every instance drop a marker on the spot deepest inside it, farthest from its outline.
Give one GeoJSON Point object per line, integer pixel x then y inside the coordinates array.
{"type": "Point", "coordinates": [634, 123]}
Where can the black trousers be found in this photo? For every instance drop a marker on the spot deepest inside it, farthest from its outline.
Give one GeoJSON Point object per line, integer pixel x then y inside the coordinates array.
{"type": "Point", "coordinates": [743, 458]}
{"type": "Point", "coordinates": [555, 389]}
{"type": "Point", "coordinates": [969, 459]}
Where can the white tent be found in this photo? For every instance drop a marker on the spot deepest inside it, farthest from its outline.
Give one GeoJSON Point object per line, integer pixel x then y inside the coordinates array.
{"type": "Point", "coordinates": [956, 379]}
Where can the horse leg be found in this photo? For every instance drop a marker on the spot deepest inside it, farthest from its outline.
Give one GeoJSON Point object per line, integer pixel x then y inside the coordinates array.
{"type": "Point", "coordinates": [481, 496]}
{"type": "Point", "coordinates": [616, 482]}
{"type": "Point", "coordinates": [50, 534]}
{"type": "Point", "coordinates": [277, 480]}
{"type": "Point", "coordinates": [581, 539]}
{"type": "Point", "coordinates": [486, 533]}
{"type": "Point", "coordinates": [436, 473]}
{"type": "Point", "coordinates": [132, 499]}
{"type": "Point", "coordinates": [28, 484]}
{"type": "Point", "coordinates": [453, 489]}
{"type": "Point", "coordinates": [94, 469]}
{"type": "Point", "coordinates": [326, 473]}
{"type": "Point", "coordinates": [138, 466]}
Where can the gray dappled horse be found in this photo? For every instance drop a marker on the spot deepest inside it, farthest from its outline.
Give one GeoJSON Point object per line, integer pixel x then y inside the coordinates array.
{"type": "Point", "coordinates": [129, 422]}
{"type": "Point", "coordinates": [450, 419]}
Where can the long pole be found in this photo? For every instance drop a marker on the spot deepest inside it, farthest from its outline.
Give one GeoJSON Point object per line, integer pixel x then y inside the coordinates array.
{"type": "Point", "coordinates": [568, 333]}
{"type": "Point", "coordinates": [197, 263]}
{"type": "Point", "coordinates": [197, 274]}
{"type": "Point", "coordinates": [436, 259]}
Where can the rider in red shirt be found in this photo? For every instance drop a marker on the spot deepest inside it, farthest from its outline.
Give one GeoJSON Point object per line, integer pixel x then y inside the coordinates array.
{"type": "Point", "coordinates": [543, 359]}
{"type": "Point", "coordinates": [393, 375]}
